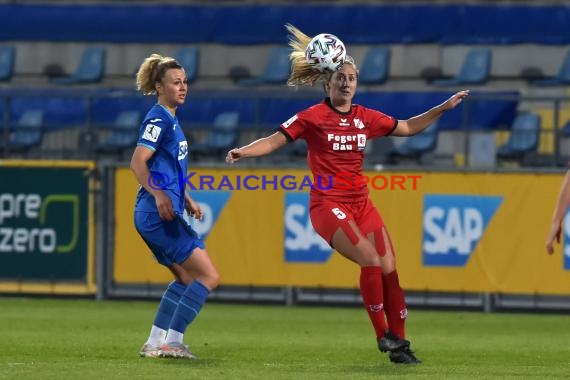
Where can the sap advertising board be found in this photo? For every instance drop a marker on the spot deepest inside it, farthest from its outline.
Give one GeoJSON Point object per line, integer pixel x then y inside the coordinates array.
{"type": "Point", "coordinates": [452, 226]}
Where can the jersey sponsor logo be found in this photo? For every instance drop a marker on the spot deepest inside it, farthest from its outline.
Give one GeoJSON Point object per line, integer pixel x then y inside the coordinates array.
{"type": "Point", "coordinates": [290, 121]}
{"type": "Point", "coordinates": [358, 123]}
{"type": "Point", "coordinates": [182, 150]}
{"type": "Point", "coordinates": [343, 123]}
{"type": "Point", "coordinates": [155, 120]}
{"type": "Point", "coordinates": [343, 142]}
{"type": "Point", "coordinates": [453, 225]}
{"type": "Point", "coordinates": [212, 204]}
{"type": "Point", "coordinates": [302, 243]}
{"type": "Point", "coordinates": [151, 132]}
{"type": "Point", "coordinates": [361, 141]}
{"type": "Point", "coordinates": [566, 232]}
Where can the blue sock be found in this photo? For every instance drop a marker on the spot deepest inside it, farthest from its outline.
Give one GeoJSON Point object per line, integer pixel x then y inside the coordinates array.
{"type": "Point", "coordinates": [189, 306]}
{"type": "Point", "coordinates": [168, 304]}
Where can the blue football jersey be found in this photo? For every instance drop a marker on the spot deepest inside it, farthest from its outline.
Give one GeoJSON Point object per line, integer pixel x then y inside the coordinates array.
{"type": "Point", "coordinates": [161, 132]}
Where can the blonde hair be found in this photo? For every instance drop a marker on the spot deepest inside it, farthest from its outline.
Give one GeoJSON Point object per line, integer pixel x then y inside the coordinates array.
{"type": "Point", "coordinates": [152, 71]}
{"type": "Point", "coordinates": [302, 74]}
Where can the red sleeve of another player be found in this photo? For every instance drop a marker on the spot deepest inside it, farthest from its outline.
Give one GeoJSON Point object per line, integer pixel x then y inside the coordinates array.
{"type": "Point", "coordinates": [294, 128]}
{"type": "Point", "coordinates": [379, 124]}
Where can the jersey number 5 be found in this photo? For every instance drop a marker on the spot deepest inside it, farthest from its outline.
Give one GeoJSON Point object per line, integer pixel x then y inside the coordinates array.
{"type": "Point", "coordinates": [339, 214]}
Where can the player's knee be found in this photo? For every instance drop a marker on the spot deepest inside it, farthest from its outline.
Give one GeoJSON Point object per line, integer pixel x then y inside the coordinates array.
{"type": "Point", "coordinates": [369, 258]}
{"type": "Point", "coordinates": [211, 279]}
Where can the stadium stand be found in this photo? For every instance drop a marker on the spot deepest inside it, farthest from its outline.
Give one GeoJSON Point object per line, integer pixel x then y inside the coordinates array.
{"type": "Point", "coordinates": [415, 147]}
{"type": "Point", "coordinates": [26, 133]}
{"type": "Point", "coordinates": [523, 140]}
{"type": "Point", "coordinates": [561, 79]}
{"type": "Point", "coordinates": [189, 58]}
{"type": "Point", "coordinates": [276, 71]}
{"type": "Point", "coordinates": [375, 67]}
{"type": "Point", "coordinates": [437, 43]}
{"type": "Point", "coordinates": [222, 136]}
{"type": "Point", "coordinates": [7, 59]}
{"type": "Point", "coordinates": [124, 133]}
{"type": "Point", "coordinates": [91, 68]}
{"type": "Point", "coordinates": [475, 69]}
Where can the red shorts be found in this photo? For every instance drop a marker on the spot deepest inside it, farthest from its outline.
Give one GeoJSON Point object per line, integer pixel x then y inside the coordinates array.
{"type": "Point", "coordinates": [328, 216]}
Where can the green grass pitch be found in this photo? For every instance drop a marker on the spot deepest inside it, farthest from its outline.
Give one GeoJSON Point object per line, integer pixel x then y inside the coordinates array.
{"type": "Point", "coordinates": [85, 339]}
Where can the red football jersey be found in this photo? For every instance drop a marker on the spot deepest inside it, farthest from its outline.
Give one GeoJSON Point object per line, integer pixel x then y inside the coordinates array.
{"type": "Point", "coordinates": [336, 142]}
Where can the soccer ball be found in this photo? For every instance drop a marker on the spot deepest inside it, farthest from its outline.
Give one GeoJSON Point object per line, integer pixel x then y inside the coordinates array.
{"type": "Point", "coordinates": [325, 52]}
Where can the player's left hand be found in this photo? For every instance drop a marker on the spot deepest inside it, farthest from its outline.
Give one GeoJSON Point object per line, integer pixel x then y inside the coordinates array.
{"type": "Point", "coordinates": [193, 208]}
{"type": "Point", "coordinates": [455, 99]}
{"type": "Point", "coordinates": [553, 235]}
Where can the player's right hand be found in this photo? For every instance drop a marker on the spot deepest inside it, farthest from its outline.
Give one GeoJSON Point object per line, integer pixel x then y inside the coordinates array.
{"type": "Point", "coordinates": [164, 206]}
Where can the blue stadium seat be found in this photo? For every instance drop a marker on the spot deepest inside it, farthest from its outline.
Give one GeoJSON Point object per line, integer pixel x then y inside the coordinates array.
{"type": "Point", "coordinates": [7, 59]}
{"type": "Point", "coordinates": [124, 133]}
{"type": "Point", "coordinates": [222, 136]}
{"type": "Point", "coordinates": [415, 147]}
{"type": "Point", "coordinates": [524, 138]}
{"type": "Point", "coordinates": [91, 68]}
{"type": "Point", "coordinates": [292, 150]}
{"type": "Point", "coordinates": [475, 69]}
{"type": "Point", "coordinates": [26, 133]}
{"type": "Point", "coordinates": [561, 79]}
{"type": "Point", "coordinates": [375, 66]}
{"type": "Point", "coordinates": [276, 71]}
{"type": "Point", "coordinates": [189, 58]}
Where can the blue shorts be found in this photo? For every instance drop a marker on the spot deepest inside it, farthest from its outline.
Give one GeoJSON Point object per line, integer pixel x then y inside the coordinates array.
{"type": "Point", "coordinates": [170, 242]}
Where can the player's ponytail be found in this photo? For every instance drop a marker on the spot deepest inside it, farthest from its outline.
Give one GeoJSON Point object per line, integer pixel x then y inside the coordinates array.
{"type": "Point", "coordinates": [302, 74]}
{"type": "Point", "coordinates": [152, 70]}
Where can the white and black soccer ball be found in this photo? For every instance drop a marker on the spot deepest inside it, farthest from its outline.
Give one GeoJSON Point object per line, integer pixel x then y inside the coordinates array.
{"type": "Point", "coordinates": [325, 52]}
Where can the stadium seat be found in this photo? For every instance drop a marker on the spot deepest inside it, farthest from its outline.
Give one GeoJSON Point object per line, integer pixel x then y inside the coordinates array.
{"type": "Point", "coordinates": [189, 58]}
{"type": "Point", "coordinates": [26, 133]}
{"type": "Point", "coordinates": [7, 59]}
{"type": "Point", "coordinates": [293, 150]}
{"type": "Point", "coordinates": [475, 69]}
{"type": "Point", "coordinates": [415, 147]}
{"type": "Point", "coordinates": [375, 66]}
{"type": "Point", "coordinates": [222, 136]}
{"type": "Point", "coordinates": [276, 71]}
{"type": "Point", "coordinates": [91, 68]}
{"type": "Point", "coordinates": [523, 139]}
{"type": "Point", "coordinates": [561, 79]}
{"type": "Point", "coordinates": [124, 133]}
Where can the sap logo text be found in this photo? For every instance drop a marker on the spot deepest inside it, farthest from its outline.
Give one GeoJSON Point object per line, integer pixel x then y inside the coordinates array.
{"type": "Point", "coordinates": [453, 225]}
{"type": "Point", "coordinates": [302, 243]}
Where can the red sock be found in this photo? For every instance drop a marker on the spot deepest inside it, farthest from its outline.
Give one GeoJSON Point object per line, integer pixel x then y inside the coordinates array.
{"type": "Point", "coordinates": [371, 291]}
{"type": "Point", "coordinates": [396, 311]}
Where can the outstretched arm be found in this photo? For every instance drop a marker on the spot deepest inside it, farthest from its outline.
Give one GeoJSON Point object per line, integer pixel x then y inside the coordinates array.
{"type": "Point", "coordinates": [257, 148]}
{"type": "Point", "coordinates": [559, 212]}
{"type": "Point", "coordinates": [416, 124]}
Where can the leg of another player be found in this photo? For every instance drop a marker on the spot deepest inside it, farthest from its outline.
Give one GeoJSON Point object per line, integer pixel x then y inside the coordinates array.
{"type": "Point", "coordinates": [351, 243]}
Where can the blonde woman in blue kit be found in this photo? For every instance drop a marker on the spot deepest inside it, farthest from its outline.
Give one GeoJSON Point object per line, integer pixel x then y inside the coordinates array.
{"type": "Point", "coordinates": [162, 150]}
